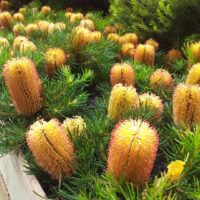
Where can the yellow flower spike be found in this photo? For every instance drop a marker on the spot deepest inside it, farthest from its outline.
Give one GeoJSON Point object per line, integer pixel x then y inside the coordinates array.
{"type": "Point", "coordinates": [5, 5]}
{"type": "Point", "coordinates": [113, 37]}
{"type": "Point", "coordinates": [122, 99]}
{"type": "Point", "coordinates": [61, 26]}
{"type": "Point", "coordinates": [75, 125]}
{"type": "Point", "coordinates": [132, 151]}
{"type": "Point", "coordinates": [87, 23]}
{"type": "Point", "coordinates": [43, 26]}
{"type": "Point", "coordinates": [96, 36]}
{"type": "Point", "coordinates": [153, 102]}
{"type": "Point", "coordinates": [30, 28]}
{"type": "Point", "coordinates": [110, 29]}
{"type": "Point", "coordinates": [55, 58]}
{"type": "Point", "coordinates": [68, 15]}
{"type": "Point", "coordinates": [6, 19]}
{"type": "Point", "coordinates": [45, 10]}
{"type": "Point", "coordinates": [153, 43]}
{"type": "Point", "coordinates": [194, 55]}
{"type": "Point", "coordinates": [193, 76]}
{"type": "Point", "coordinates": [130, 38]}
{"type": "Point", "coordinates": [3, 42]}
{"type": "Point", "coordinates": [18, 17]}
{"type": "Point", "coordinates": [23, 84]}
{"type": "Point", "coordinates": [76, 17]}
{"type": "Point", "coordinates": [27, 47]}
{"type": "Point", "coordinates": [51, 147]}
{"type": "Point", "coordinates": [127, 49]}
{"type": "Point", "coordinates": [17, 42]}
{"type": "Point", "coordinates": [175, 170]}
{"type": "Point", "coordinates": [22, 10]}
{"type": "Point", "coordinates": [186, 104]}
{"type": "Point", "coordinates": [18, 29]}
{"type": "Point", "coordinates": [161, 78]}
{"type": "Point", "coordinates": [171, 55]}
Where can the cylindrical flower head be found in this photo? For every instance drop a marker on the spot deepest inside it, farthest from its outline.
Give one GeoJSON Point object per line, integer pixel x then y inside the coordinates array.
{"type": "Point", "coordinates": [122, 99]}
{"type": "Point", "coordinates": [113, 37]}
{"type": "Point", "coordinates": [161, 78]}
{"type": "Point", "coordinates": [30, 28]}
{"type": "Point", "coordinates": [17, 42]}
{"type": "Point", "coordinates": [45, 10]}
{"type": "Point", "coordinates": [19, 29]}
{"type": "Point", "coordinates": [130, 38]}
{"type": "Point", "coordinates": [55, 58]}
{"type": "Point", "coordinates": [173, 54]}
{"type": "Point", "coordinates": [68, 15]}
{"type": "Point", "coordinates": [18, 17]}
{"type": "Point", "coordinates": [153, 43]}
{"type": "Point", "coordinates": [6, 19]}
{"type": "Point", "coordinates": [23, 84]}
{"type": "Point", "coordinates": [51, 147]}
{"type": "Point", "coordinates": [132, 151]}
{"type": "Point", "coordinates": [61, 26]}
{"type": "Point", "coordinates": [96, 36]}
{"type": "Point", "coordinates": [22, 10]}
{"type": "Point", "coordinates": [194, 56]}
{"type": "Point", "coordinates": [43, 25]}
{"type": "Point", "coordinates": [154, 103]}
{"type": "Point", "coordinates": [5, 5]}
{"type": "Point", "coordinates": [27, 47]}
{"type": "Point", "coordinates": [127, 49]}
{"type": "Point", "coordinates": [122, 73]}
{"type": "Point", "coordinates": [193, 76]}
{"type": "Point", "coordinates": [87, 23]}
{"type": "Point", "coordinates": [75, 125]}
{"type": "Point", "coordinates": [186, 104]}
{"type": "Point", "coordinates": [76, 17]}
{"type": "Point", "coordinates": [145, 54]}
{"type": "Point", "coordinates": [110, 29]}
{"type": "Point", "coordinates": [3, 42]}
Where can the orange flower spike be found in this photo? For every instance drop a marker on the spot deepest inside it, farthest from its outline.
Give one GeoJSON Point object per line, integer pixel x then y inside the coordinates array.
{"type": "Point", "coordinates": [153, 43]}
{"type": "Point", "coordinates": [113, 37]}
{"type": "Point", "coordinates": [145, 54]}
{"type": "Point", "coordinates": [27, 47]}
{"type": "Point", "coordinates": [127, 49]}
{"type": "Point", "coordinates": [30, 28]}
{"type": "Point", "coordinates": [193, 76]}
{"type": "Point", "coordinates": [132, 151]}
{"type": "Point", "coordinates": [6, 19]}
{"type": "Point", "coordinates": [17, 42]}
{"type": "Point", "coordinates": [18, 29]}
{"type": "Point", "coordinates": [173, 54]}
{"type": "Point", "coordinates": [194, 56]}
{"type": "Point", "coordinates": [22, 10]}
{"type": "Point", "coordinates": [45, 10]}
{"type": "Point", "coordinates": [51, 147]}
{"type": "Point", "coordinates": [122, 73]}
{"type": "Point", "coordinates": [18, 17]}
{"type": "Point", "coordinates": [161, 78]}
{"type": "Point", "coordinates": [23, 84]}
{"type": "Point", "coordinates": [130, 38]}
{"type": "Point", "coordinates": [110, 29]}
{"type": "Point", "coordinates": [186, 104]}
{"type": "Point", "coordinates": [76, 17]}
{"type": "Point", "coordinates": [87, 23]}
{"type": "Point", "coordinates": [96, 36]}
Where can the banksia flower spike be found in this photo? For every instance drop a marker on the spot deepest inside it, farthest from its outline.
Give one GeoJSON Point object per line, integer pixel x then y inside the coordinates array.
{"type": "Point", "coordinates": [194, 56]}
{"type": "Point", "coordinates": [19, 29]}
{"type": "Point", "coordinates": [5, 5]}
{"type": "Point", "coordinates": [122, 73]}
{"type": "Point", "coordinates": [130, 38]}
{"type": "Point", "coordinates": [69, 9]}
{"type": "Point", "coordinates": [161, 78]}
{"type": "Point", "coordinates": [51, 147]}
{"type": "Point", "coordinates": [30, 28]}
{"type": "Point", "coordinates": [6, 19]}
{"type": "Point", "coordinates": [18, 17]}
{"type": "Point", "coordinates": [110, 29]}
{"type": "Point", "coordinates": [154, 103]}
{"type": "Point", "coordinates": [55, 58]}
{"type": "Point", "coordinates": [193, 76]}
{"type": "Point", "coordinates": [87, 23]}
{"type": "Point", "coordinates": [45, 10]}
{"type": "Point", "coordinates": [132, 151]}
{"type": "Point", "coordinates": [68, 15]}
{"type": "Point", "coordinates": [122, 99]}
{"type": "Point", "coordinates": [3, 42]}
{"type": "Point", "coordinates": [186, 104]}
{"type": "Point", "coordinates": [27, 47]}
{"type": "Point", "coordinates": [113, 37]}
{"type": "Point", "coordinates": [96, 36]}
{"type": "Point", "coordinates": [23, 84]}
{"type": "Point", "coordinates": [144, 54]}
{"type": "Point", "coordinates": [153, 43]}
{"type": "Point", "coordinates": [43, 26]}
{"type": "Point", "coordinates": [61, 26]}
{"type": "Point", "coordinates": [22, 10]}
{"type": "Point", "coordinates": [76, 17]}
{"type": "Point", "coordinates": [127, 49]}
{"type": "Point", "coordinates": [173, 54]}
{"type": "Point", "coordinates": [17, 42]}
{"type": "Point", "coordinates": [75, 125]}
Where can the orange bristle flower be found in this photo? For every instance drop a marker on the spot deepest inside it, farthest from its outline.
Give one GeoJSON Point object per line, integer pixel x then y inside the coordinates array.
{"type": "Point", "coordinates": [173, 54]}
{"type": "Point", "coordinates": [122, 73]}
{"type": "Point", "coordinates": [45, 10]}
{"type": "Point", "coordinates": [23, 84]}
{"type": "Point", "coordinates": [18, 17]}
{"type": "Point", "coordinates": [110, 29]}
{"type": "Point", "coordinates": [17, 42]}
{"type": "Point", "coordinates": [19, 29]}
{"type": "Point", "coordinates": [96, 36]}
{"type": "Point", "coordinates": [129, 38]}
{"type": "Point", "coordinates": [132, 151]}
{"type": "Point", "coordinates": [3, 42]}
{"type": "Point", "coordinates": [76, 17]}
{"type": "Point", "coordinates": [51, 148]}
{"type": "Point", "coordinates": [161, 78]}
{"type": "Point", "coordinates": [113, 37]}
{"type": "Point", "coordinates": [186, 104]}
{"type": "Point", "coordinates": [27, 47]}
{"type": "Point", "coordinates": [154, 103]}
{"type": "Point", "coordinates": [194, 56]}
{"type": "Point", "coordinates": [193, 76]}
{"type": "Point", "coordinates": [31, 28]}
{"type": "Point", "coordinates": [55, 58]}
{"type": "Point", "coordinates": [122, 99]}
{"type": "Point", "coordinates": [127, 49]}
{"type": "Point", "coordinates": [87, 23]}
{"type": "Point", "coordinates": [153, 43]}
{"type": "Point", "coordinates": [6, 19]}
{"type": "Point", "coordinates": [144, 54]}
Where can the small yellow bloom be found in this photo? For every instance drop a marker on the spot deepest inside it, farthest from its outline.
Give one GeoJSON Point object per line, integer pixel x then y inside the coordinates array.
{"type": "Point", "coordinates": [175, 169]}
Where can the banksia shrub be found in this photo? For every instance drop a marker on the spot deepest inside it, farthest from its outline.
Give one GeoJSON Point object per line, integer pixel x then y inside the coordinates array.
{"type": "Point", "coordinates": [132, 151]}
{"type": "Point", "coordinates": [122, 99]}
{"type": "Point", "coordinates": [17, 42]}
{"type": "Point", "coordinates": [127, 49]}
{"type": "Point", "coordinates": [130, 38]}
{"type": "Point", "coordinates": [153, 43]}
{"type": "Point", "coordinates": [173, 54]}
{"type": "Point", "coordinates": [122, 73]}
{"type": "Point", "coordinates": [45, 10]}
{"type": "Point", "coordinates": [19, 29]}
{"type": "Point", "coordinates": [6, 19]}
{"type": "Point", "coordinates": [55, 58]}
{"type": "Point", "coordinates": [154, 104]}
{"type": "Point", "coordinates": [31, 28]}
{"type": "Point", "coordinates": [3, 42]}
{"type": "Point", "coordinates": [161, 78]}
{"type": "Point", "coordinates": [194, 54]}
{"type": "Point", "coordinates": [193, 76]}
{"type": "Point", "coordinates": [145, 54]}
{"type": "Point", "coordinates": [87, 23]}
{"type": "Point", "coordinates": [51, 148]}
{"type": "Point", "coordinates": [75, 125]}
{"type": "Point", "coordinates": [18, 17]}
{"type": "Point", "coordinates": [96, 36]}
{"type": "Point", "coordinates": [76, 17]}
{"type": "Point", "coordinates": [23, 84]}
{"type": "Point", "coordinates": [114, 37]}
{"type": "Point", "coordinates": [27, 47]}
{"type": "Point", "coordinates": [186, 104]}
{"type": "Point", "coordinates": [110, 29]}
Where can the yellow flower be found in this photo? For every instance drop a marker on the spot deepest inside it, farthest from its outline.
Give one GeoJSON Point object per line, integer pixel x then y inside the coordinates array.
{"type": "Point", "coordinates": [175, 169]}
{"type": "Point", "coordinates": [193, 76]}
